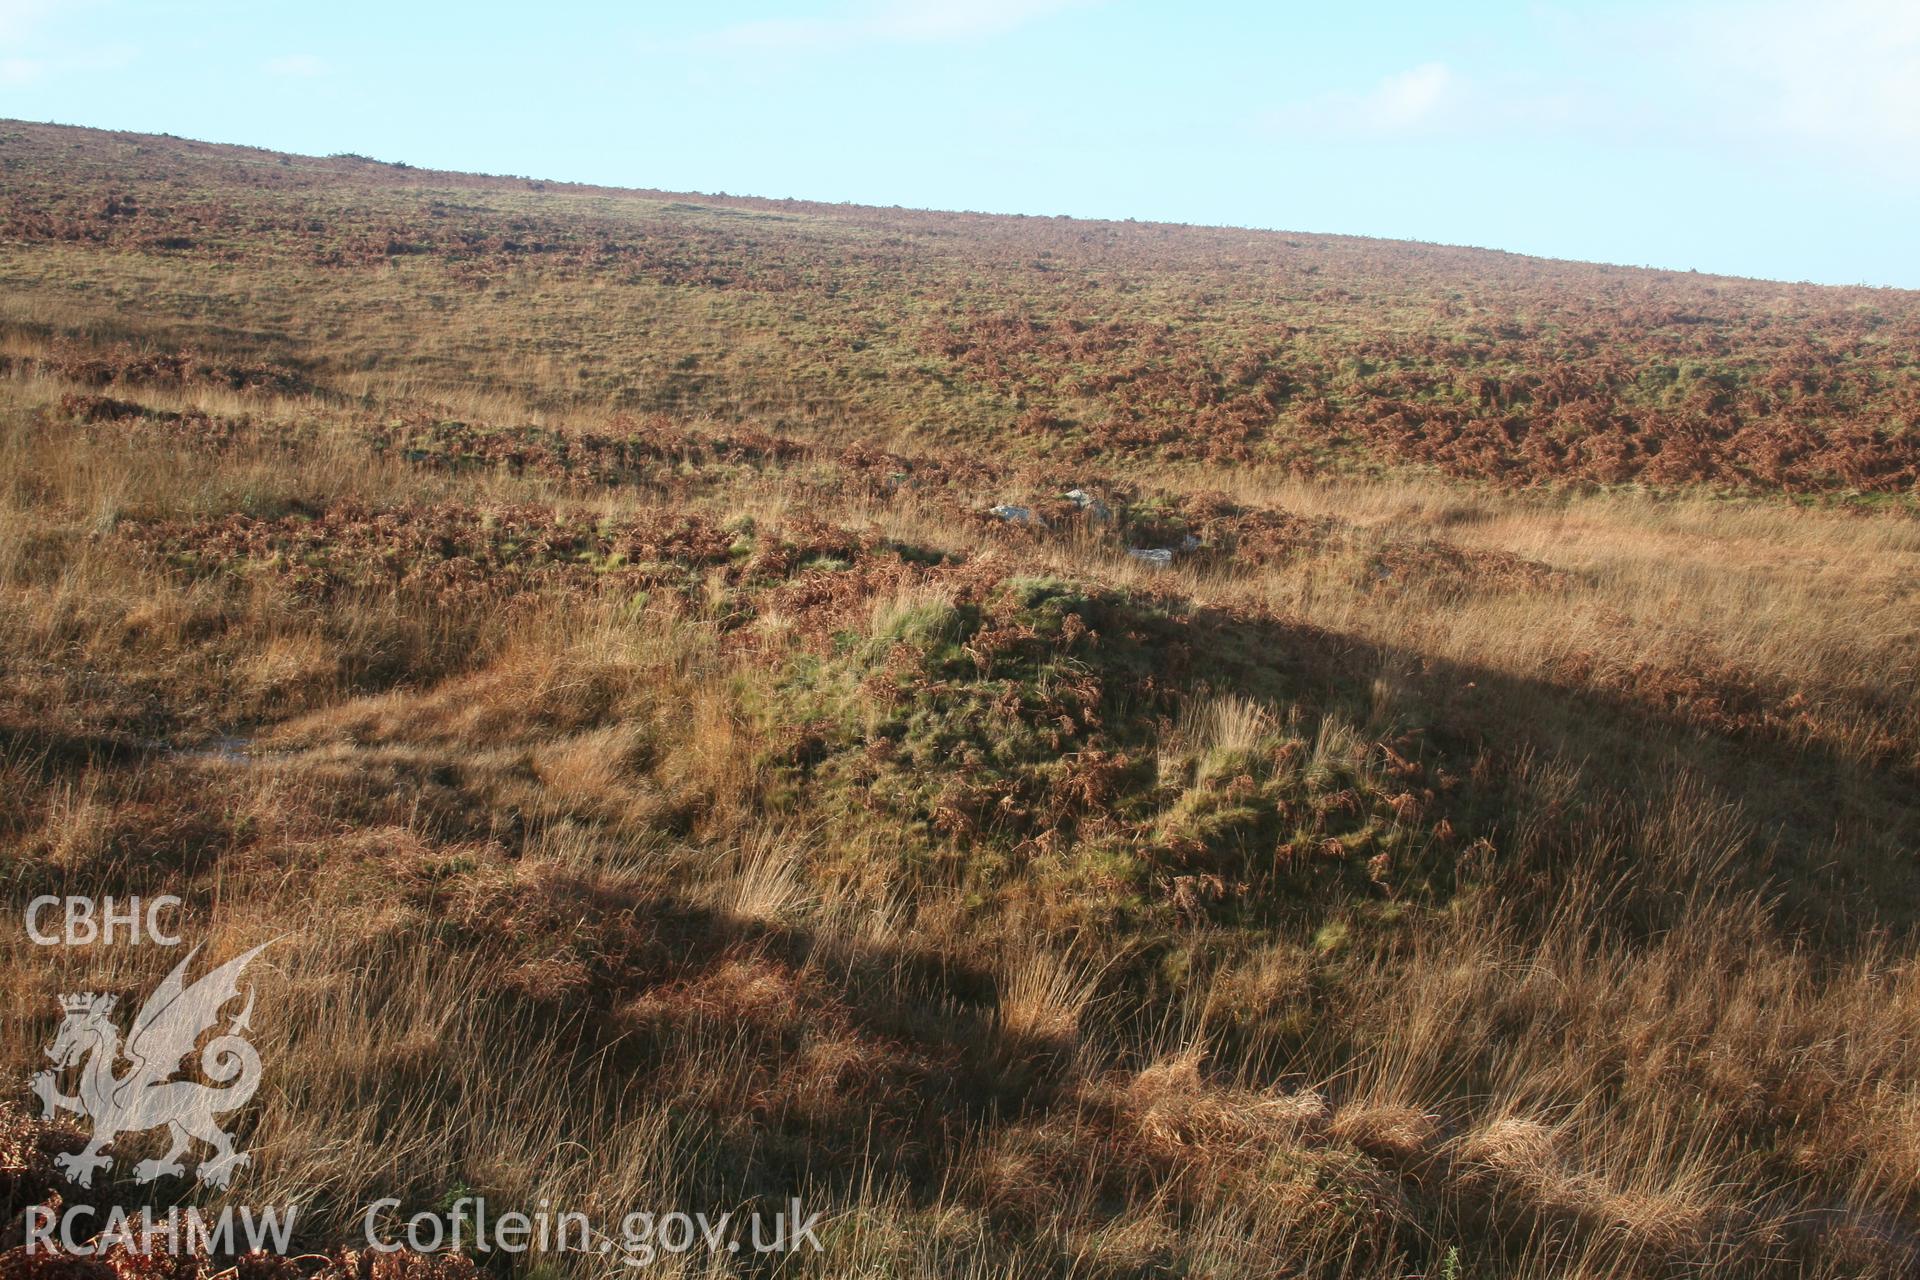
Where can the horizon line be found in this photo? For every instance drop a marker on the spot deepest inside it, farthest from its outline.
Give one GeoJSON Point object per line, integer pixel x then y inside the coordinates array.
{"type": "Point", "coordinates": [984, 213]}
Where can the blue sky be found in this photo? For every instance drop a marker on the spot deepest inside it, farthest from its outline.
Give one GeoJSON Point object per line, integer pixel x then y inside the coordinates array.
{"type": "Point", "coordinates": [1768, 139]}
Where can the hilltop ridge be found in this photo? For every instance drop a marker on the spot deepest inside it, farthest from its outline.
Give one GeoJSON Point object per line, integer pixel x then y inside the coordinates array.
{"type": "Point", "coordinates": [1055, 338]}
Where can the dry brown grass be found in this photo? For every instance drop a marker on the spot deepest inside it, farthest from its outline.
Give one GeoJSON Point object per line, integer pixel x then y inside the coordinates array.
{"type": "Point", "coordinates": [1607, 1100]}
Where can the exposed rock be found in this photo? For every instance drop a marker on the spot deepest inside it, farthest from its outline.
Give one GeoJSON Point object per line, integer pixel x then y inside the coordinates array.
{"type": "Point", "coordinates": [1091, 505]}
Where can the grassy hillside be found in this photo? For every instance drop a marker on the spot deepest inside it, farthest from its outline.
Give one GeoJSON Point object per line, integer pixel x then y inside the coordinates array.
{"type": "Point", "coordinates": [577, 623]}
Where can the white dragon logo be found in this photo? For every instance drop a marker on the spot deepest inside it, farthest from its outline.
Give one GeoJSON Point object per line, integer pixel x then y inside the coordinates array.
{"type": "Point", "coordinates": [164, 1033]}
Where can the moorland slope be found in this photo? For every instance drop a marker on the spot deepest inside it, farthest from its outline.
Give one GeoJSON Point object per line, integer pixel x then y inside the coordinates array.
{"type": "Point", "coordinates": [1079, 749]}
